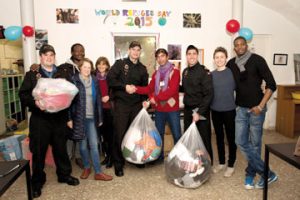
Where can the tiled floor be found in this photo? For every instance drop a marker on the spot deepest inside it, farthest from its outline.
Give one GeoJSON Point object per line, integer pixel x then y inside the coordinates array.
{"type": "Point", "coordinates": [150, 183]}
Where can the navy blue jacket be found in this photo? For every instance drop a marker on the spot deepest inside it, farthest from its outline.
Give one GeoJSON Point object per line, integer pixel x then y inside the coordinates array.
{"type": "Point", "coordinates": [78, 108]}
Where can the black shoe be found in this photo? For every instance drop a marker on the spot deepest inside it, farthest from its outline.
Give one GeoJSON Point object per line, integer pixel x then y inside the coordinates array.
{"type": "Point", "coordinates": [105, 161]}
{"type": "Point", "coordinates": [70, 180]}
{"type": "Point", "coordinates": [119, 172]}
{"type": "Point", "coordinates": [36, 192]}
{"type": "Point", "coordinates": [109, 163]}
{"type": "Point", "coordinates": [140, 166]}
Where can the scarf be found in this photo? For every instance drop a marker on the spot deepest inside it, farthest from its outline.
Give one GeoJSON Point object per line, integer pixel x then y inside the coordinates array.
{"type": "Point", "coordinates": [242, 60]}
{"type": "Point", "coordinates": [162, 74]}
{"type": "Point", "coordinates": [100, 77]}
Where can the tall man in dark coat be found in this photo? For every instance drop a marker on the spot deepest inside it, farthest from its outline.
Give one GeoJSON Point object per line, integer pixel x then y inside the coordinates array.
{"type": "Point", "coordinates": [127, 104]}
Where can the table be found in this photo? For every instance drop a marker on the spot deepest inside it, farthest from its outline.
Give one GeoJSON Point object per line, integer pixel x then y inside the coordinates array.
{"type": "Point", "coordinates": [7, 180]}
{"type": "Point", "coordinates": [285, 152]}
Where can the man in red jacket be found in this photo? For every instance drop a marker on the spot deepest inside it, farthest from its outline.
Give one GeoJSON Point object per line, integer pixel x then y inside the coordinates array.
{"type": "Point", "coordinates": [163, 92]}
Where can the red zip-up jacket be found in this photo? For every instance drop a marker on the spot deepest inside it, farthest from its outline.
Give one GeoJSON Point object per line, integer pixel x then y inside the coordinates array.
{"type": "Point", "coordinates": [168, 100]}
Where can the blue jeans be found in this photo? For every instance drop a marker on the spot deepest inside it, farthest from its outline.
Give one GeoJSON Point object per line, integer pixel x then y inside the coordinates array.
{"type": "Point", "coordinates": [248, 137]}
{"type": "Point", "coordinates": [173, 119]}
{"type": "Point", "coordinates": [91, 139]}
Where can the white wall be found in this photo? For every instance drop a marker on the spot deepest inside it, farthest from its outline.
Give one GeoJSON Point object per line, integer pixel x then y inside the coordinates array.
{"type": "Point", "coordinates": [97, 39]}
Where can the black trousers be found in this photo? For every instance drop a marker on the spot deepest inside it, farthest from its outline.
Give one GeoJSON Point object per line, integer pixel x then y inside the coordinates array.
{"type": "Point", "coordinates": [203, 127]}
{"type": "Point", "coordinates": [123, 116]}
{"type": "Point", "coordinates": [225, 120]}
{"type": "Point", "coordinates": [107, 132]}
{"type": "Point", "coordinates": [45, 131]}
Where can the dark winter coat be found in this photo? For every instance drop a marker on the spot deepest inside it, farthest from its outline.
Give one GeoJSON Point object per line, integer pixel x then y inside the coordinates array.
{"type": "Point", "coordinates": [78, 108]}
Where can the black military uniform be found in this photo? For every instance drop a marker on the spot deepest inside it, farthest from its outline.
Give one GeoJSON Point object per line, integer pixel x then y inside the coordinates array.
{"type": "Point", "coordinates": [46, 128]}
{"type": "Point", "coordinates": [198, 93]}
{"type": "Point", "coordinates": [126, 106]}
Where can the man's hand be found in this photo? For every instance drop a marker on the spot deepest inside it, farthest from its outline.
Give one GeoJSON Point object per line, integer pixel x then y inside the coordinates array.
{"type": "Point", "coordinates": [196, 117]}
{"type": "Point", "coordinates": [130, 89]}
{"type": "Point", "coordinates": [39, 105]}
{"type": "Point", "coordinates": [70, 124]}
{"type": "Point", "coordinates": [146, 104]}
{"type": "Point", "coordinates": [256, 110]}
{"type": "Point", "coordinates": [105, 99]}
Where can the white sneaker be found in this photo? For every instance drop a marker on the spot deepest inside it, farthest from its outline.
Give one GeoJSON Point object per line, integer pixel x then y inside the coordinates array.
{"type": "Point", "coordinates": [218, 168]}
{"type": "Point", "coordinates": [229, 171]}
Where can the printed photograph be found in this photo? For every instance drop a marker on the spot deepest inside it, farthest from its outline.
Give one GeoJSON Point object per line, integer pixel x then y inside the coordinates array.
{"type": "Point", "coordinates": [280, 59]}
{"type": "Point", "coordinates": [192, 20]}
{"type": "Point", "coordinates": [297, 67]}
{"type": "Point", "coordinates": [176, 63]}
{"type": "Point", "coordinates": [174, 51]}
{"type": "Point", "coordinates": [67, 16]}
{"type": "Point", "coordinates": [41, 37]}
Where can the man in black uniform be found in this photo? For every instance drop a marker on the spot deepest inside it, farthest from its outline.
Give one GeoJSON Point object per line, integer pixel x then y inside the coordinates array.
{"type": "Point", "coordinates": [70, 67]}
{"type": "Point", "coordinates": [198, 93]}
{"type": "Point", "coordinates": [127, 104]}
{"type": "Point", "coordinates": [46, 128]}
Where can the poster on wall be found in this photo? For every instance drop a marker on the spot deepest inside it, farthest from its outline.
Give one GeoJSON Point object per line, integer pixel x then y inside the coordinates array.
{"type": "Point", "coordinates": [41, 37]}
{"type": "Point", "coordinates": [174, 51]}
{"type": "Point", "coordinates": [192, 20]}
{"type": "Point", "coordinates": [67, 16]}
{"type": "Point", "coordinates": [149, 43]}
{"type": "Point", "coordinates": [176, 63]}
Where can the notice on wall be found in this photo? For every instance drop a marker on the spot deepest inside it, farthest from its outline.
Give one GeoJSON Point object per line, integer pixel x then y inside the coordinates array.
{"type": "Point", "coordinates": [134, 18]}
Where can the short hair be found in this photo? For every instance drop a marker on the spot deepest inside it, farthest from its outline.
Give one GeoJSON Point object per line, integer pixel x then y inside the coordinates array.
{"type": "Point", "coordinates": [161, 50]}
{"type": "Point", "coordinates": [191, 47]}
{"type": "Point", "coordinates": [46, 48]}
{"type": "Point", "coordinates": [86, 60]}
{"type": "Point", "coordinates": [134, 44]}
{"type": "Point", "coordinates": [74, 45]}
{"type": "Point", "coordinates": [105, 61]}
{"type": "Point", "coordinates": [220, 49]}
{"type": "Point", "coordinates": [240, 38]}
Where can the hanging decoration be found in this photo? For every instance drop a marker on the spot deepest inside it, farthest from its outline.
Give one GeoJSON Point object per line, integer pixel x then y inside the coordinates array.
{"type": "Point", "coordinates": [28, 31]}
{"type": "Point", "coordinates": [232, 26]}
{"type": "Point", "coordinates": [13, 32]}
{"type": "Point", "coordinates": [246, 33]}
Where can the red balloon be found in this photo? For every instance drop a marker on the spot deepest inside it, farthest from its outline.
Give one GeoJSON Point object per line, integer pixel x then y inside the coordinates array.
{"type": "Point", "coordinates": [28, 31]}
{"type": "Point", "coordinates": [233, 26]}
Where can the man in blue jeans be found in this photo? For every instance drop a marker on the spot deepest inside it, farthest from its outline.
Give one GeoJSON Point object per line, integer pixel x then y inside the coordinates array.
{"type": "Point", "coordinates": [249, 70]}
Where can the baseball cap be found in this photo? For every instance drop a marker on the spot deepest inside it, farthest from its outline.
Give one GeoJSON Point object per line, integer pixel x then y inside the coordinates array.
{"type": "Point", "coordinates": [134, 44]}
{"type": "Point", "coordinates": [46, 48]}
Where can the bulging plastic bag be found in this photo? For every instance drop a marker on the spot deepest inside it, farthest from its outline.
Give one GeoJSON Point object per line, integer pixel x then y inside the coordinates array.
{"type": "Point", "coordinates": [142, 142]}
{"type": "Point", "coordinates": [54, 94]}
{"type": "Point", "coordinates": [188, 164]}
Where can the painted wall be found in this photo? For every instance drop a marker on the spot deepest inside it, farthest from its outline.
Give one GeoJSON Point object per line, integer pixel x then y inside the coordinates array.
{"type": "Point", "coordinates": [97, 37]}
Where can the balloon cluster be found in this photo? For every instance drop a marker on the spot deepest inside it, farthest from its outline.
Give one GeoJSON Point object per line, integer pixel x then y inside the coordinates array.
{"type": "Point", "coordinates": [15, 32]}
{"type": "Point", "coordinates": [233, 26]}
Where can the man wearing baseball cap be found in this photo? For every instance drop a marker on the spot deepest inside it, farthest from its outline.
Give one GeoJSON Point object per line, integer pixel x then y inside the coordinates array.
{"type": "Point", "coordinates": [46, 128]}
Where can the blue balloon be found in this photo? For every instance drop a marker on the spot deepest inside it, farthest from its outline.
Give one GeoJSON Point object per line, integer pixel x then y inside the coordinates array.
{"type": "Point", "coordinates": [246, 33]}
{"type": "Point", "coordinates": [13, 32]}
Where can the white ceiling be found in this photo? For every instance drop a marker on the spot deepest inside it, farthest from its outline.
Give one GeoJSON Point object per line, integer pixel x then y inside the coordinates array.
{"type": "Point", "coordinates": [289, 9]}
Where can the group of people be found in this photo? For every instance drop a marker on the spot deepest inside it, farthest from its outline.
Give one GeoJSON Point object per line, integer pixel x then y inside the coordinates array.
{"type": "Point", "coordinates": [109, 99]}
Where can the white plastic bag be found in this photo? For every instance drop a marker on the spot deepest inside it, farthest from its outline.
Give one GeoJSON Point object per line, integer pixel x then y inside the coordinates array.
{"type": "Point", "coordinates": [54, 94]}
{"type": "Point", "coordinates": [188, 164]}
{"type": "Point", "coordinates": [142, 142]}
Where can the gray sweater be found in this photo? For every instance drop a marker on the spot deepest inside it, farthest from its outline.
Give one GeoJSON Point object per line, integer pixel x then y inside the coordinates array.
{"type": "Point", "coordinates": [224, 86]}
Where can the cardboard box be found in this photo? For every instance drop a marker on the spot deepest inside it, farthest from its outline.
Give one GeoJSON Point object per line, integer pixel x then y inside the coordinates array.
{"type": "Point", "coordinates": [11, 148]}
